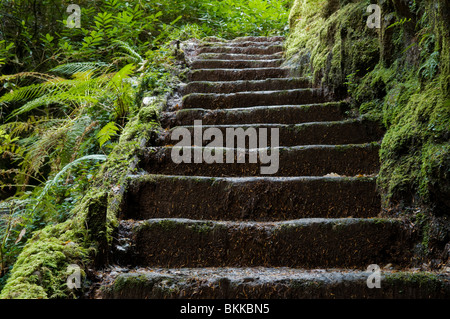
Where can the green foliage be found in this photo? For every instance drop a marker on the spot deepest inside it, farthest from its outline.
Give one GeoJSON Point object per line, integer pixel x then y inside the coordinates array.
{"type": "Point", "coordinates": [107, 132]}
{"type": "Point", "coordinates": [400, 79]}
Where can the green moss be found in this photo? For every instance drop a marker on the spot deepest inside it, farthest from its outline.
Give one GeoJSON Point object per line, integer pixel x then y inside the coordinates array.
{"type": "Point", "coordinates": [202, 228]}
{"type": "Point", "coordinates": [405, 280]}
{"type": "Point", "coordinates": [415, 152]}
{"type": "Point", "coordinates": [40, 270]}
{"type": "Point", "coordinates": [382, 71]}
{"type": "Point", "coordinates": [331, 48]}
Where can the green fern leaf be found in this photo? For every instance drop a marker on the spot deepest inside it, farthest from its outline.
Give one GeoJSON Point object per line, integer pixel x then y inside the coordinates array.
{"type": "Point", "coordinates": [106, 133]}
{"type": "Point", "coordinates": [72, 68]}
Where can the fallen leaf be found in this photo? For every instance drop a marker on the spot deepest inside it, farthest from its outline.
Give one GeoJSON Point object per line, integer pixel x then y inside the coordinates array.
{"type": "Point", "coordinates": [22, 233]}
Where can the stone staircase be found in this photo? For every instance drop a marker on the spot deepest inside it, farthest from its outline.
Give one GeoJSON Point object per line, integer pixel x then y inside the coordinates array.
{"type": "Point", "coordinates": [199, 230]}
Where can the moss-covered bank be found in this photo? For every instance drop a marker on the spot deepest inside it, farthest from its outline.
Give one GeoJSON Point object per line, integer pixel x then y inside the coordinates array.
{"type": "Point", "coordinates": [398, 74]}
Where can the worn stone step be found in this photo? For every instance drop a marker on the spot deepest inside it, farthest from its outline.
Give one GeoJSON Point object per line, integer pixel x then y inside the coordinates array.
{"type": "Point", "coordinates": [259, 39]}
{"type": "Point", "coordinates": [253, 39]}
{"type": "Point", "coordinates": [317, 160]}
{"type": "Point", "coordinates": [282, 114]}
{"type": "Point", "coordinates": [237, 74]}
{"type": "Point", "coordinates": [235, 64]}
{"type": "Point", "coordinates": [354, 131]}
{"type": "Point", "coordinates": [270, 283]}
{"type": "Point", "coordinates": [237, 56]}
{"type": "Point", "coordinates": [263, 49]}
{"type": "Point", "coordinates": [224, 87]}
{"type": "Point", "coordinates": [241, 44]}
{"type": "Point", "coordinates": [250, 198]}
{"type": "Point", "coordinates": [246, 99]}
{"type": "Point", "coordinates": [305, 243]}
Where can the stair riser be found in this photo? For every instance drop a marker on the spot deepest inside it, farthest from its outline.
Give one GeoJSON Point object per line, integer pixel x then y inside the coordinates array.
{"type": "Point", "coordinates": [259, 39]}
{"type": "Point", "coordinates": [155, 286]}
{"type": "Point", "coordinates": [317, 161]}
{"type": "Point", "coordinates": [238, 74]}
{"type": "Point", "coordinates": [245, 86]}
{"type": "Point", "coordinates": [236, 56]}
{"type": "Point", "coordinates": [324, 244]}
{"type": "Point", "coordinates": [241, 44]}
{"type": "Point", "coordinates": [249, 99]}
{"type": "Point", "coordinates": [225, 64]}
{"type": "Point", "coordinates": [282, 114]}
{"type": "Point", "coordinates": [327, 133]}
{"type": "Point", "coordinates": [250, 199]}
{"type": "Point", "coordinates": [266, 50]}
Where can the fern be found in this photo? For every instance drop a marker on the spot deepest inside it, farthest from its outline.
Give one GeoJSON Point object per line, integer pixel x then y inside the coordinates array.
{"type": "Point", "coordinates": [72, 68]}
{"type": "Point", "coordinates": [36, 75]}
{"type": "Point", "coordinates": [136, 57]}
{"type": "Point", "coordinates": [66, 168]}
{"type": "Point", "coordinates": [64, 98]}
{"type": "Point", "coordinates": [35, 90]}
{"type": "Point", "coordinates": [106, 133]}
{"type": "Point", "coordinates": [431, 66]}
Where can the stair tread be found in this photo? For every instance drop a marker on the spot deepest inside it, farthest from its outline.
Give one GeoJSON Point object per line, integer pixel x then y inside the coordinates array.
{"type": "Point", "coordinates": [224, 87]}
{"type": "Point", "coordinates": [238, 74]}
{"type": "Point", "coordinates": [262, 198]}
{"type": "Point", "coordinates": [351, 131]}
{"type": "Point", "coordinates": [282, 114]}
{"type": "Point", "coordinates": [265, 283]}
{"type": "Point", "coordinates": [349, 160]}
{"type": "Point", "coordinates": [239, 56]}
{"type": "Point", "coordinates": [307, 243]}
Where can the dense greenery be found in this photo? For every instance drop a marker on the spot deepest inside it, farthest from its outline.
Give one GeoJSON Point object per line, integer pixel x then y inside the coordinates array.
{"type": "Point", "coordinates": [69, 96]}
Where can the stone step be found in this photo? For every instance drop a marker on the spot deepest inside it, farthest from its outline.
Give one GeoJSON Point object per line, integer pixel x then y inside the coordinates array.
{"type": "Point", "coordinates": [245, 39]}
{"type": "Point", "coordinates": [237, 74]}
{"type": "Point", "coordinates": [250, 198]}
{"type": "Point", "coordinates": [240, 44]}
{"type": "Point", "coordinates": [263, 49]}
{"type": "Point", "coordinates": [246, 99]}
{"type": "Point", "coordinates": [305, 243]}
{"type": "Point", "coordinates": [282, 114]}
{"type": "Point", "coordinates": [348, 160]}
{"type": "Point", "coordinates": [354, 131]}
{"type": "Point", "coordinates": [237, 56]}
{"type": "Point", "coordinates": [224, 87]}
{"type": "Point", "coordinates": [271, 283]}
{"type": "Point", "coordinates": [259, 39]}
{"type": "Point", "coordinates": [235, 64]}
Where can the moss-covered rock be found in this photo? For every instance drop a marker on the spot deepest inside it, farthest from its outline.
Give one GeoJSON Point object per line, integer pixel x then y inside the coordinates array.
{"type": "Point", "coordinates": [41, 269]}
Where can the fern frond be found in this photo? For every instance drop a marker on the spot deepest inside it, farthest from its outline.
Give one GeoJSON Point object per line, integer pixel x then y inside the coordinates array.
{"type": "Point", "coordinates": [62, 172]}
{"type": "Point", "coordinates": [119, 76]}
{"type": "Point", "coordinates": [79, 67]}
{"type": "Point", "coordinates": [107, 132]}
{"type": "Point", "coordinates": [64, 98]}
{"type": "Point", "coordinates": [35, 90]}
{"type": "Point", "coordinates": [37, 75]}
{"type": "Point", "coordinates": [131, 52]}
{"type": "Point", "coordinates": [77, 129]}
